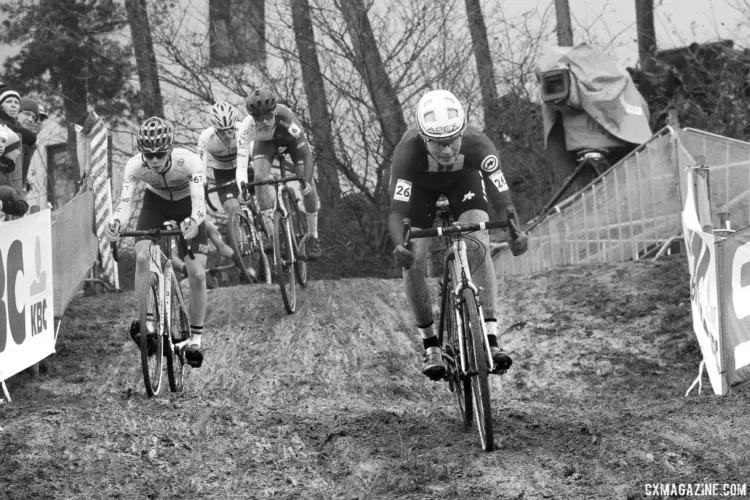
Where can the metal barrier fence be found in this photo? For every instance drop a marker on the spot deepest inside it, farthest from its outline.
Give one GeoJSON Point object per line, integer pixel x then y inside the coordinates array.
{"type": "Point", "coordinates": [626, 214]}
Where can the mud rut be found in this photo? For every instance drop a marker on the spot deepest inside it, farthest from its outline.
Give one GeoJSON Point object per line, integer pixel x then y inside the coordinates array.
{"type": "Point", "coordinates": [328, 403]}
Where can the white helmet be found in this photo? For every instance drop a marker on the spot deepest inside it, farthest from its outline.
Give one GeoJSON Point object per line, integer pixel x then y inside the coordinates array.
{"type": "Point", "coordinates": [440, 115]}
{"type": "Point", "coordinates": [223, 115]}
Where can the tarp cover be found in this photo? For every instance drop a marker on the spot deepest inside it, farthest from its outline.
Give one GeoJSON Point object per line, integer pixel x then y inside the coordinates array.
{"type": "Point", "coordinates": [605, 90]}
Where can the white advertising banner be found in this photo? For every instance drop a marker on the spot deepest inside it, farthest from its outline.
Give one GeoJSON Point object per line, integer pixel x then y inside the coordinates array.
{"type": "Point", "coordinates": [27, 328]}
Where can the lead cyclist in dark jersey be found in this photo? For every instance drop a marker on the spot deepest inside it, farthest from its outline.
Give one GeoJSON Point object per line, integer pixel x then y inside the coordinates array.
{"type": "Point", "coordinates": [445, 156]}
{"type": "Point", "coordinates": [174, 180]}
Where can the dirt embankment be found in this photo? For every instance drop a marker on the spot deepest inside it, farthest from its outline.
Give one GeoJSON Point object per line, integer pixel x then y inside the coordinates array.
{"type": "Point", "coordinates": [328, 403]}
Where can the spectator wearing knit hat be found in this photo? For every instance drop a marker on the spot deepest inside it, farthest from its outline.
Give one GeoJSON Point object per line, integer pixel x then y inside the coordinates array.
{"type": "Point", "coordinates": [28, 117]}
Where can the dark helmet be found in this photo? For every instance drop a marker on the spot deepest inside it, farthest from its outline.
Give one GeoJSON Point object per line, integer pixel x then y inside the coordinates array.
{"type": "Point", "coordinates": [260, 102]}
{"type": "Point", "coordinates": [155, 136]}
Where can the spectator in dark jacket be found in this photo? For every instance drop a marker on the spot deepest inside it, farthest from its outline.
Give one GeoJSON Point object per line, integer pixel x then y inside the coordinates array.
{"type": "Point", "coordinates": [10, 197]}
{"type": "Point", "coordinates": [28, 118]}
{"type": "Point", "coordinates": [10, 102]}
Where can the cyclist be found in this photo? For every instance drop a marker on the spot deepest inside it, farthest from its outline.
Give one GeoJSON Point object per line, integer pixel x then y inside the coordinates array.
{"type": "Point", "coordinates": [272, 128]}
{"type": "Point", "coordinates": [218, 142]}
{"type": "Point", "coordinates": [444, 155]}
{"type": "Point", "coordinates": [174, 191]}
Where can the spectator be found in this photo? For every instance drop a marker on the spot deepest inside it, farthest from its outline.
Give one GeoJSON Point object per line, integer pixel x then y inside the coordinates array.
{"type": "Point", "coordinates": [28, 118]}
{"type": "Point", "coordinates": [10, 151]}
{"type": "Point", "coordinates": [10, 103]}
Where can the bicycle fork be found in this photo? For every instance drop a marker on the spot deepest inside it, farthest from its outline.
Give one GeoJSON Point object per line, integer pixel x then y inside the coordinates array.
{"type": "Point", "coordinates": [461, 268]}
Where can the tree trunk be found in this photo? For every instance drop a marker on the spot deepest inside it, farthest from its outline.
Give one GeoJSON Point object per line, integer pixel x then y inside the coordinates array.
{"type": "Point", "coordinates": [75, 99]}
{"type": "Point", "coordinates": [317, 100]}
{"type": "Point", "coordinates": [370, 66]}
{"type": "Point", "coordinates": [564, 28]}
{"type": "Point", "coordinates": [644, 17]}
{"type": "Point", "coordinates": [481, 46]}
{"type": "Point", "coordinates": [143, 46]}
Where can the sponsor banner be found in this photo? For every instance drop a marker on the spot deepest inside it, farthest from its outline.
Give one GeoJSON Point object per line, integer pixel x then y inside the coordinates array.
{"type": "Point", "coordinates": [27, 328]}
{"type": "Point", "coordinates": [736, 310]}
{"type": "Point", "coordinates": [703, 284]}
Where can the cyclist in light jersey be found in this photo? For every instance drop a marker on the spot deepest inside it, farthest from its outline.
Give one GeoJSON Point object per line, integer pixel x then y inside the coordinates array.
{"type": "Point", "coordinates": [174, 180]}
{"type": "Point", "coordinates": [217, 148]}
{"type": "Point", "coordinates": [272, 128]}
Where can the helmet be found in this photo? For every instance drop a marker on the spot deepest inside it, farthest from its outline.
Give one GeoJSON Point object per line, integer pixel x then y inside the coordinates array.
{"type": "Point", "coordinates": [260, 102]}
{"type": "Point", "coordinates": [155, 136]}
{"type": "Point", "coordinates": [440, 115]}
{"type": "Point", "coordinates": [223, 115]}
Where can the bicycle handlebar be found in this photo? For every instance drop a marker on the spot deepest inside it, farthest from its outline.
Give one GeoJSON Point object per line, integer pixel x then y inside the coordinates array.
{"type": "Point", "coordinates": [461, 228]}
{"type": "Point", "coordinates": [154, 233]}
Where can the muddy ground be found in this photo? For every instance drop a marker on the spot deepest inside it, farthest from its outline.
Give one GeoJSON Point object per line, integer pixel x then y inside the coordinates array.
{"type": "Point", "coordinates": [329, 403]}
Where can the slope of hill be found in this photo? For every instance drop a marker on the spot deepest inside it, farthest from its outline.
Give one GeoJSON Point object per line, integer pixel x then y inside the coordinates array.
{"type": "Point", "coordinates": [328, 403]}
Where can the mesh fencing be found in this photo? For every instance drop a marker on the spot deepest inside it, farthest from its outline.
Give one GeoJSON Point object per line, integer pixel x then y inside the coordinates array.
{"type": "Point", "coordinates": [625, 214]}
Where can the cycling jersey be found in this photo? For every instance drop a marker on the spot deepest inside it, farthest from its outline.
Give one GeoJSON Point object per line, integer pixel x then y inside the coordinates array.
{"type": "Point", "coordinates": [223, 155]}
{"type": "Point", "coordinates": [183, 177]}
{"type": "Point", "coordinates": [417, 179]}
{"type": "Point", "coordinates": [286, 136]}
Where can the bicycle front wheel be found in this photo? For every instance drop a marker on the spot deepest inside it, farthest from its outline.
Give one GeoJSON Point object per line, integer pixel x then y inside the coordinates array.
{"type": "Point", "coordinates": [478, 366]}
{"type": "Point", "coordinates": [151, 359]}
{"type": "Point", "coordinates": [243, 244]}
{"type": "Point", "coordinates": [460, 383]}
{"type": "Point", "coordinates": [179, 331]}
{"type": "Point", "coordinates": [299, 230]}
{"type": "Point", "coordinates": [284, 257]}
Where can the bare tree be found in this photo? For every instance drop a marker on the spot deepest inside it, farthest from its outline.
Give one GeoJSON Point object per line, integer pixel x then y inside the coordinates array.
{"type": "Point", "coordinates": [371, 69]}
{"type": "Point", "coordinates": [148, 73]}
{"type": "Point", "coordinates": [644, 17]}
{"type": "Point", "coordinates": [485, 69]}
{"type": "Point", "coordinates": [317, 101]}
{"type": "Point", "coordinates": [564, 28]}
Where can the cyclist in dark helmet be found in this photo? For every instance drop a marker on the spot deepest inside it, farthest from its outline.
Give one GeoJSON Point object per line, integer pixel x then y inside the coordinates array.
{"type": "Point", "coordinates": [269, 129]}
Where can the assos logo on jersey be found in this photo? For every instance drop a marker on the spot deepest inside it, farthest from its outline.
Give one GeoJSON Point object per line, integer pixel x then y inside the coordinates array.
{"type": "Point", "coordinates": [490, 163]}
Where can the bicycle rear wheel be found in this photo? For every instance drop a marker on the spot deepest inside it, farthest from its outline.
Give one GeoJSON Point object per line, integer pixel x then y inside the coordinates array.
{"type": "Point", "coordinates": [299, 230]}
{"type": "Point", "coordinates": [179, 330]}
{"type": "Point", "coordinates": [283, 255]}
{"type": "Point", "coordinates": [242, 241]}
{"type": "Point", "coordinates": [478, 364]}
{"type": "Point", "coordinates": [148, 308]}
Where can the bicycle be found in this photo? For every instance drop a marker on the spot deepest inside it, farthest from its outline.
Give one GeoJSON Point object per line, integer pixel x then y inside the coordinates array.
{"type": "Point", "coordinates": [288, 236]}
{"type": "Point", "coordinates": [462, 332]}
{"type": "Point", "coordinates": [247, 234]}
{"type": "Point", "coordinates": [158, 308]}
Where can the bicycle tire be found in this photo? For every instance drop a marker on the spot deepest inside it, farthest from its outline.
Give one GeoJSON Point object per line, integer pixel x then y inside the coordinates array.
{"type": "Point", "coordinates": [150, 365]}
{"type": "Point", "coordinates": [283, 259]}
{"type": "Point", "coordinates": [243, 243]}
{"type": "Point", "coordinates": [264, 241]}
{"type": "Point", "coordinates": [179, 330]}
{"type": "Point", "coordinates": [299, 229]}
{"type": "Point", "coordinates": [478, 365]}
{"type": "Point", "coordinates": [460, 383]}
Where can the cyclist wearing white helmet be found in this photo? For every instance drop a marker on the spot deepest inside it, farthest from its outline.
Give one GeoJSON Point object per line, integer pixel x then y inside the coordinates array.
{"type": "Point", "coordinates": [443, 155]}
{"type": "Point", "coordinates": [218, 144]}
{"type": "Point", "coordinates": [174, 180]}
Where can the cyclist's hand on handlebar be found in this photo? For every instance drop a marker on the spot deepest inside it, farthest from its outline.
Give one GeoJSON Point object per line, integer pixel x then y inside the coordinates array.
{"type": "Point", "coordinates": [403, 256]}
{"type": "Point", "coordinates": [306, 188]}
{"type": "Point", "coordinates": [519, 245]}
{"type": "Point", "coordinates": [112, 230]}
{"type": "Point", "coordinates": [189, 228]}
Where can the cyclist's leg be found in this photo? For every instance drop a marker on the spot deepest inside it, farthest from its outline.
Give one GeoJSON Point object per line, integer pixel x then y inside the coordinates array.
{"type": "Point", "coordinates": [230, 203]}
{"type": "Point", "coordinates": [311, 205]}
{"type": "Point", "coordinates": [475, 209]}
{"type": "Point", "coordinates": [422, 213]}
{"type": "Point", "coordinates": [262, 159]}
{"type": "Point", "coordinates": [196, 270]}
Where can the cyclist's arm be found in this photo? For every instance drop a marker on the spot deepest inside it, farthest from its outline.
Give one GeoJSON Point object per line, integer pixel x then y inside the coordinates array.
{"type": "Point", "coordinates": [197, 198]}
{"type": "Point", "coordinates": [400, 190]}
{"type": "Point", "coordinates": [129, 184]}
{"type": "Point", "coordinates": [244, 150]}
{"type": "Point", "coordinates": [484, 154]}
